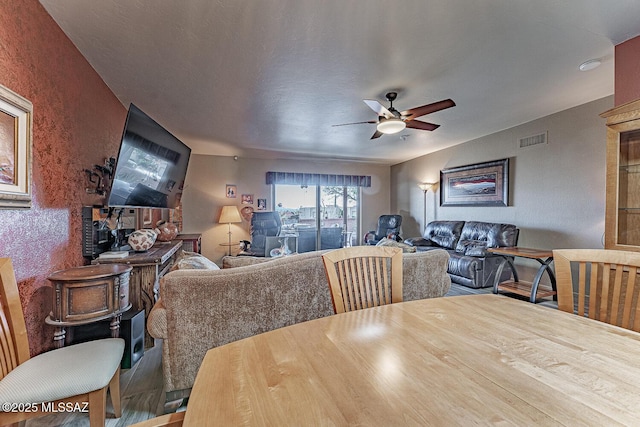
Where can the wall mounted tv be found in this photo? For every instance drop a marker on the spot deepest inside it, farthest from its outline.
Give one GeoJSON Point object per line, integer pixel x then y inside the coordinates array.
{"type": "Point", "coordinates": [151, 165]}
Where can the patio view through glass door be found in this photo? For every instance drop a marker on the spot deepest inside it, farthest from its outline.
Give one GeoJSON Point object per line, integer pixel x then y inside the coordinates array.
{"type": "Point", "coordinates": [321, 217]}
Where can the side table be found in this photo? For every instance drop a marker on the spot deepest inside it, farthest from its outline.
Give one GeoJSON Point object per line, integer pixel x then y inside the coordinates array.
{"type": "Point", "coordinates": [533, 290]}
{"type": "Point", "coordinates": [88, 294]}
{"type": "Point", "coordinates": [148, 268]}
{"type": "Point", "coordinates": [229, 246]}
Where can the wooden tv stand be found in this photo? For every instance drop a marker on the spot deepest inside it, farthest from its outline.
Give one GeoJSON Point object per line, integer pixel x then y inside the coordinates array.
{"type": "Point", "coordinates": [148, 268]}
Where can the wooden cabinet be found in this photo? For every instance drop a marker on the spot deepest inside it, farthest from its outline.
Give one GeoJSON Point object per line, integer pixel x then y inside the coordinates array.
{"type": "Point", "coordinates": [88, 294]}
{"type": "Point", "coordinates": [622, 218]}
{"type": "Point", "coordinates": [148, 268]}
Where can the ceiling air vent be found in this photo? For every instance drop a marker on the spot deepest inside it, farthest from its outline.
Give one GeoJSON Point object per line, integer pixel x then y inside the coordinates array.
{"type": "Point", "coordinates": [529, 141]}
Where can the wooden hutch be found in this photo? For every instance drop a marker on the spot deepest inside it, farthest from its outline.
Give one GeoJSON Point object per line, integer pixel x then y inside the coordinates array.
{"type": "Point", "coordinates": [622, 218]}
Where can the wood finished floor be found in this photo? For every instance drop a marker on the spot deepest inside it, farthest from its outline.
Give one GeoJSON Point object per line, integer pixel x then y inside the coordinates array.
{"type": "Point", "coordinates": [141, 387]}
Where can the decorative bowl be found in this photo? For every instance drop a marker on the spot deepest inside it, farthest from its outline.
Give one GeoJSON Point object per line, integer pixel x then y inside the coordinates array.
{"type": "Point", "coordinates": [167, 231]}
{"type": "Point", "coordinates": [142, 240]}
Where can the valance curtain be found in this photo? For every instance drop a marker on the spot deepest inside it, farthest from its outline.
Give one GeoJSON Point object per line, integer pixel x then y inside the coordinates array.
{"type": "Point", "coordinates": [296, 178]}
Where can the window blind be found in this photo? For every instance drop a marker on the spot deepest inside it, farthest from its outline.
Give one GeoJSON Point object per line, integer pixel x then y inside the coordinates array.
{"type": "Point", "coordinates": [298, 178]}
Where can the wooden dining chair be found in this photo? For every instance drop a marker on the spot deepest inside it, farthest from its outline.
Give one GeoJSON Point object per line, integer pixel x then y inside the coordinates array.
{"type": "Point", "coordinates": [76, 376]}
{"type": "Point", "coordinates": [600, 284]}
{"type": "Point", "coordinates": [364, 276]}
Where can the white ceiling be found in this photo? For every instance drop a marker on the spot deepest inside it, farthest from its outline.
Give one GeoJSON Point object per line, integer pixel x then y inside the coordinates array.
{"type": "Point", "coordinates": [269, 78]}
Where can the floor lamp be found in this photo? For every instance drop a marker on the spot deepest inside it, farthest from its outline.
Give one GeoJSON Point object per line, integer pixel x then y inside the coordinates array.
{"type": "Point", "coordinates": [425, 186]}
{"type": "Point", "coordinates": [228, 215]}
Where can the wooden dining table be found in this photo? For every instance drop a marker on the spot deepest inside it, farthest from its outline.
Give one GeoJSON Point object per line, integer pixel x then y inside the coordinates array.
{"type": "Point", "coordinates": [463, 360]}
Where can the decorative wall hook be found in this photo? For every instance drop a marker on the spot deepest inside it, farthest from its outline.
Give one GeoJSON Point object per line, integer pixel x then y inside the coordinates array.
{"type": "Point", "coordinates": [98, 175]}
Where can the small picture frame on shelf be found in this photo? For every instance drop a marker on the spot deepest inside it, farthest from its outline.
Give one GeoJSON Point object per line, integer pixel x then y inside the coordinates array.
{"type": "Point", "coordinates": [147, 219]}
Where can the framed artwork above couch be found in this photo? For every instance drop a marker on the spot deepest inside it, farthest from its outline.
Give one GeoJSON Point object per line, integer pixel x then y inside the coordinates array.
{"type": "Point", "coordinates": [480, 184]}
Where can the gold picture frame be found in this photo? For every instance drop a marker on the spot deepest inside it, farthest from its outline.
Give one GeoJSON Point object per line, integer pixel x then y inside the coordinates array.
{"type": "Point", "coordinates": [16, 127]}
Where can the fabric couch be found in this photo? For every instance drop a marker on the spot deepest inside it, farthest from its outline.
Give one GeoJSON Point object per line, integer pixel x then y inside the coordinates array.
{"type": "Point", "coordinates": [202, 309]}
{"type": "Point", "coordinates": [470, 264]}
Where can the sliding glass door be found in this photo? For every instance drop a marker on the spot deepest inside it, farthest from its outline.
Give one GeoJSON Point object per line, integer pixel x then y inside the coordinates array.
{"type": "Point", "coordinates": [321, 217]}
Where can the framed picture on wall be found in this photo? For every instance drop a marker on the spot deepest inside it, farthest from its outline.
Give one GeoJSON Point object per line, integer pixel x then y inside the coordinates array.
{"type": "Point", "coordinates": [262, 204]}
{"type": "Point", "coordinates": [231, 191]}
{"type": "Point", "coordinates": [480, 184]}
{"type": "Point", "coordinates": [16, 120]}
{"type": "Point", "coordinates": [147, 219]}
{"type": "Point", "coordinates": [247, 199]}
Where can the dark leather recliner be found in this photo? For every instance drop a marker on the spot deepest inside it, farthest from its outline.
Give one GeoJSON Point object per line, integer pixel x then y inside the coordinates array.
{"type": "Point", "coordinates": [263, 224]}
{"type": "Point", "coordinates": [388, 226]}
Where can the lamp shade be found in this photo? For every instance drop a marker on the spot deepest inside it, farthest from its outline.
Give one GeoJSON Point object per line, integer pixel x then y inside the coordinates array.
{"type": "Point", "coordinates": [425, 186]}
{"type": "Point", "coordinates": [229, 214]}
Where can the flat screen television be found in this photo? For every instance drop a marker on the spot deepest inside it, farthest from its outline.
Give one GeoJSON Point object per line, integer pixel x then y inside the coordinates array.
{"type": "Point", "coordinates": [151, 165]}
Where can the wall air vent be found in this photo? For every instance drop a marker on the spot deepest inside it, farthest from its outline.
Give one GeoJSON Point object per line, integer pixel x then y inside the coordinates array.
{"type": "Point", "coordinates": [529, 141]}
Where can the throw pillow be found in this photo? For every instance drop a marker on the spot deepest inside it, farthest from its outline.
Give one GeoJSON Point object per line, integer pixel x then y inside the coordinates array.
{"type": "Point", "coordinates": [472, 247]}
{"type": "Point", "coordinates": [390, 242]}
{"type": "Point", "coordinates": [193, 261]}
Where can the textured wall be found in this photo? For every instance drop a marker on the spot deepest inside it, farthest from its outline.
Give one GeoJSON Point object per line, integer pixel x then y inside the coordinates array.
{"type": "Point", "coordinates": [77, 122]}
{"type": "Point", "coordinates": [627, 74]}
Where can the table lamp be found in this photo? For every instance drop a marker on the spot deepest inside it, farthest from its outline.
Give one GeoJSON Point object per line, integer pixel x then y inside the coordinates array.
{"type": "Point", "coordinates": [228, 215]}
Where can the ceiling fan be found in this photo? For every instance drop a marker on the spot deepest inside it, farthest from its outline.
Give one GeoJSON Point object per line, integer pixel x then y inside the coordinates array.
{"type": "Point", "coordinates": [391, 120]}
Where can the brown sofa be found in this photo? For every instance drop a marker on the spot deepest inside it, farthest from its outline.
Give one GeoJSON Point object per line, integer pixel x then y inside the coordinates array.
{"type": "Point", "coordinates": [202, 309]}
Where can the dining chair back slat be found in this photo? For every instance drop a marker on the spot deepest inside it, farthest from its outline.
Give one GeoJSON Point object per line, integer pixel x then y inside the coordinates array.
{"type": "Point", "coordinates": [14, 344]}
{"type": "Point", "coordinates": [600, 284]}
{"type": "Point", "coordinates": [364, 276]}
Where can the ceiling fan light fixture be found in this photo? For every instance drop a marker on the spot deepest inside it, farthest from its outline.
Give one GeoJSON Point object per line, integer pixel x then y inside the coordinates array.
{"type": "Point", "coordinates": [391, 125]}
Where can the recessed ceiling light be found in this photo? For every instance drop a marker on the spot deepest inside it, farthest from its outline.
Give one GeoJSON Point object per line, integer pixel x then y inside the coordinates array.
{"type": "Point", "coordinates": [590, 65]}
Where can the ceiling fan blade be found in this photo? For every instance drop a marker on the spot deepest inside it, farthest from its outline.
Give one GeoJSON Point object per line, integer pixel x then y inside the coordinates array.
{"type": "Point", "coordinates": [378, 108]}
{"type": "Point", "coordinates": [356, 123]}
{"type": "Point", "coordinates": [414, 113]}
{"type": "Point", "coordinates": [417, 124]}
{"type": "Point", "coordinates": [378, 134]}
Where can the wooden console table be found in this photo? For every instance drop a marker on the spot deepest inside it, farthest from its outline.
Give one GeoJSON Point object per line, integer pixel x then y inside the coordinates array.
{"type": "Point", "coordinates": [148, 268]}
{"type": "Point", "coordinates": [191, 242]}
{"type": "Point", "coordinates": [533, 290]}
{"type": "Point", "coordinates": [88, 294]}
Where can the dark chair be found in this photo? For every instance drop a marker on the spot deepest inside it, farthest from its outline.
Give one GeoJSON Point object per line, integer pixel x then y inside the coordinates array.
{"type": "Point", "coordinates": [263, 224]}
{"type": "Point", "coordinates": [388, 226]}
{"type": "Point", "coordinates": [306, 240]}
{"type": "Point", "coordinates": [331, 238]}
